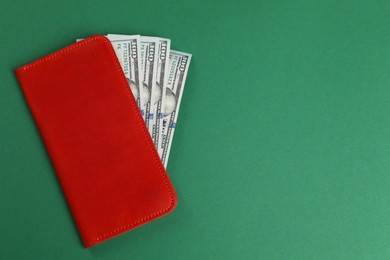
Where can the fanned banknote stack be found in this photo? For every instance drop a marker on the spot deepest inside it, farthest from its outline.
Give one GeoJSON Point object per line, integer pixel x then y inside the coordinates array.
{"type": "Point", "coordinates": [156, 76]}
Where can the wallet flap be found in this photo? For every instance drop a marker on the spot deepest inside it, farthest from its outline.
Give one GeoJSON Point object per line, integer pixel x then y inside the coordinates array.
{"type": "Point", "coordinates": [103, 155]}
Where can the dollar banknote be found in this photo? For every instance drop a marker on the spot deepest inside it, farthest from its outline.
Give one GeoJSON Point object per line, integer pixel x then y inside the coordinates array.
{"type": "Point", "coordinates": [163, 50]}
{"type": "Point", "coordinates": [179, 63]}
{"type": "Point", "coordinates": [127, 49]}
{"type": "Point", "coordinates": [148, 55]}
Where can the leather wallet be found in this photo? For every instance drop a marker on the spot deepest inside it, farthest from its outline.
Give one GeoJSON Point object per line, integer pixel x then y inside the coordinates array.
{"type": "Point", "coordinates": [104, 157]}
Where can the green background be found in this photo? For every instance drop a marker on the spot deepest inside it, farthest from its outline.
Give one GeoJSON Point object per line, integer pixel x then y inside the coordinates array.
{"type": "Point", "coordinates": [282, 149]}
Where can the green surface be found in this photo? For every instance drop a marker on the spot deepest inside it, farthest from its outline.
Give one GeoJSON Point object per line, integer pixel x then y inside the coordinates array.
{"type": "Point", "coordinates": [282, 149]}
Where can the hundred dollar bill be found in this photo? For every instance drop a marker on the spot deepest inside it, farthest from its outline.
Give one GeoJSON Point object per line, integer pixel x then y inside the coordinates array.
{"type": "Point", "coordinates": [179, 63]}
{"type": "Point", "coordinates": [148, 55]}
{"type": "Point", "coordinates": [164, 46]}
{"type": "Point", "coordinates": [127, 49]}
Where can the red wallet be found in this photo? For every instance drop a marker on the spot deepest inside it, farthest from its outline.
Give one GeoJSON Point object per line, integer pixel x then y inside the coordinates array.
{"type": "Point", "coordinates": [104, 157]}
